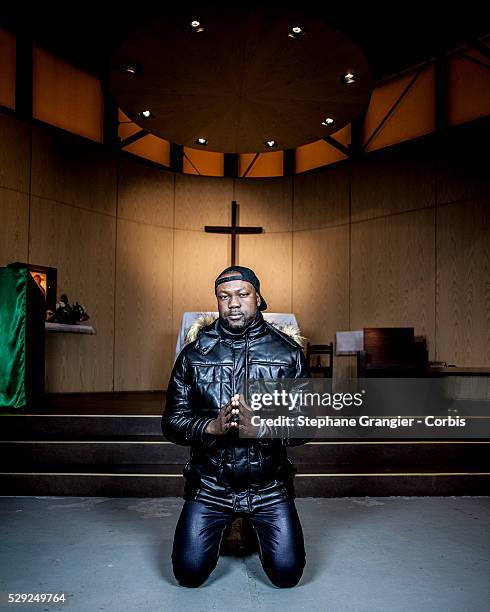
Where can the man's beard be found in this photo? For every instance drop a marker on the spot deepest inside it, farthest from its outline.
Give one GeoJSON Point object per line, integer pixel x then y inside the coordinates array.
{"type": "Point", "coordinates": [244, 323]}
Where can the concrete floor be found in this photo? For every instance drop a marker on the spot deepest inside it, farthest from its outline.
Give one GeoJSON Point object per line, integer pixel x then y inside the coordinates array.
{"type": "Point", "coordinates": [113, 554]}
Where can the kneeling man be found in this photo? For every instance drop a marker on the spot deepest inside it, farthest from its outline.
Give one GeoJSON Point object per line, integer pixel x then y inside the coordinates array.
{"type": "Point", "coordinates": [229, 475]}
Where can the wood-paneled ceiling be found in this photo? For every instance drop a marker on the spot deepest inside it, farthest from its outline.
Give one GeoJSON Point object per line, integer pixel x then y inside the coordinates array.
{"type": "Point", "coordinates": [393, 36]}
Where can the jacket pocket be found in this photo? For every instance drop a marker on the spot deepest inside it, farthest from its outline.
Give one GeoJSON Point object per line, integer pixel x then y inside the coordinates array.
{"type": "Point", "coordinates": [269, 463]}
{"type": "Point", "coordinates": [214, 458]}
{"type": "Point", "coordinates": [192, 471]}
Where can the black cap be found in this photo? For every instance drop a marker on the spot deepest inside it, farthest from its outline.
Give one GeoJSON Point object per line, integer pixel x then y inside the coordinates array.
{"type": "Point", "coordinates": [245, 274]}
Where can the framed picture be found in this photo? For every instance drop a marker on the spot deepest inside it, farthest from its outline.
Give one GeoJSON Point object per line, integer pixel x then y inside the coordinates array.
{"type": "Point", "coordinates": [44, 277]}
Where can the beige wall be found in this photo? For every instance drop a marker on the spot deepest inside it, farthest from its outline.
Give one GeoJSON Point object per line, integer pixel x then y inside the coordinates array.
{"type": "Point", "coordinates": [399, 237]}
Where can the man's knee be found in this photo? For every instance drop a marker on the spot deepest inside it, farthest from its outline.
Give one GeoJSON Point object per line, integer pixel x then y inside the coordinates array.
{"type": "Point", "coordinates": [285, 581]}
{"type": "Point", "coordinates": [191, 582]}
{"type": "Point", "coordinates": [285, 575]}
{"type": "Point", "coordinates": [191, 574]}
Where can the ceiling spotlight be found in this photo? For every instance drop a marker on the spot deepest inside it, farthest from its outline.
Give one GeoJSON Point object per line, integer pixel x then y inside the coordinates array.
{"type": "Point", "coordinates": [131, 68]}
{"type": "Point", "coordinates": [296, 32]}
{"type": "Point", "coordinates": [328, 121]}
{"type": "Point", "coordinates": [201, 141]}
{"type": "Point", "coordinates": [270, 144]}
{"type": "Point", "coordinates": [348, 78]}
{"type": "Point", "coordinates": [196, 26]}
{"type": "Point", "coordinates": [146, 114]}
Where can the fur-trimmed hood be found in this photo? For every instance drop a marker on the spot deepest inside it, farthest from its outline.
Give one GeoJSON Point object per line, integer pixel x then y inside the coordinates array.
{"type": "Point", "coordinates": [205, 319]}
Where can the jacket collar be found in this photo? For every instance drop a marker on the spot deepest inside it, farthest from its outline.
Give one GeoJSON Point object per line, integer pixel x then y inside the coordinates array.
{"type": "Point", "coordinates": [212, 333]}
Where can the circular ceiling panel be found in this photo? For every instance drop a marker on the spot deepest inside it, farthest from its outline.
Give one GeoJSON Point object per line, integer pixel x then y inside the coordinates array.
{"type": "Point", "coordinates": [241, 77]}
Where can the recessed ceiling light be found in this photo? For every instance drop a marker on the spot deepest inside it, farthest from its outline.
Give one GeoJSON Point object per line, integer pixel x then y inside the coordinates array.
{"type": "Point", "coordinates": [296, 32]}
{"type": "Point", "coordinates": [328, 121]}
{"type": "Point", "coordinates": [196, 26]}
{"type": "Point", "coordinates": [270, 144]}
{"type": "Point", "coordinates": [146, 114]}
{"type": "Point", "coordinates": [131, 68]}
{"type": "Point", "coordinates": [202, 141]}
{"type": "Point", "coordinates": [349, 78]}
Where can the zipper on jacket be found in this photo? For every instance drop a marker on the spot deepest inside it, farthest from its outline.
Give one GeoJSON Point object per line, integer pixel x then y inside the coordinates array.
{"type": "Point", "coordinates": [233, 464]}
{"type": "Point", "coordinates": [234, 369]}
{"type": "Point", "coordinates": [245, 395]}
{"type": "Point", "coordinates": [245, 371]}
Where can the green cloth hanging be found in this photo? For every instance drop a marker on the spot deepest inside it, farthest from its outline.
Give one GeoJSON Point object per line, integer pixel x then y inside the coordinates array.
{"type": "Point", "coordinates": [21, 339]}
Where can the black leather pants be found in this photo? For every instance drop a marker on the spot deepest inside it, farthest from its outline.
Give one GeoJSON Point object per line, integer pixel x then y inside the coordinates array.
{"type": "Point", "coordinates": [200, 529]}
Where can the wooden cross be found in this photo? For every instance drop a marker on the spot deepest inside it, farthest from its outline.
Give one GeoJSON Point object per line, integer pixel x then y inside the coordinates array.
{"type": "Point", "coordinates": [234, 229]}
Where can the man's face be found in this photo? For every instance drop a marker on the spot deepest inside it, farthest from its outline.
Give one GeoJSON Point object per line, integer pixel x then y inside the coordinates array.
{"type": "Point", "coordinates": [237, 303]}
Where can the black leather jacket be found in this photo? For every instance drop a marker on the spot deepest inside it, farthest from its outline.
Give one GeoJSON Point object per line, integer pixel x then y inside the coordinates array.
{"type": "Point", "coordinates": [229, 471]}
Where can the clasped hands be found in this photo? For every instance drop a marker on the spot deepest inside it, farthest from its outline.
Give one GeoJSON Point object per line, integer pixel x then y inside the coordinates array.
{"type": "Point", "coordinates": [224, 422]}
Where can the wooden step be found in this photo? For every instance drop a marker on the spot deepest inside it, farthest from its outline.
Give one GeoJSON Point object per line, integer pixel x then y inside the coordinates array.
{"type": "Point", "coordinates": [78, 427]}
{"type": "Point", "coordinates": [167, 480]}
{"type": "Point", "coordinates": [452, 455]}
{"type": "Point", "coordinates": [112, 445]}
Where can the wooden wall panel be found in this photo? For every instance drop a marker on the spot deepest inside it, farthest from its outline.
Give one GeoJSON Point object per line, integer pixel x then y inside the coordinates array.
{"type": "Point", "coordinates": [393, 246]}
{"type": "Point", "coordinates": [321, 285]}
{"type": "Point", "coordinates": [201, 201]}
{"type": "Point", "coordinates": [319, 153]}
{"type": "Point", "coordinates": [14, 221]}
{"type": "Point", "coordinates": [463, 283]}
{"type": "Point", "coordinates": [265, 202]}
{"type": "Point", "coordinates": [468, 87]}
{"type": "Point", "coordinates": [152, 148]}
{"type": "Point", "coordinates": [462, 169]}
{"type": "Point", "coordinates": [14, 153]}
{"type": "Point", "coordinates": [80, 244]}
{"type": "Point", "coordinates": [66, 96]}
{"type": "Point", "coordinates": [393, 273]}
{"type": "Point", "coordinates": [265, 165]}
{"type": "Point", "coordinates": [73, 171]}
{"type": "Point", "coordinates": [205, 163]}
{"type": "Point", "coordinates": [8, 48]}
{"type": "Point", "coordinates": [143, 313]}
{"type": "Point", "coordinates": [393, 181]}
{"type": "Point", "coordinates": [198, 259]}
{"type": "Point", "coordinates": [321, 198]}
{"type": "Point", "coordinates": [413, 115]}
{"type": "Point", "coordinates": [145, 194]}
{"type": "Point", "coordinates": [270, 257]}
